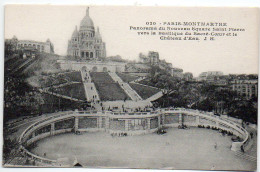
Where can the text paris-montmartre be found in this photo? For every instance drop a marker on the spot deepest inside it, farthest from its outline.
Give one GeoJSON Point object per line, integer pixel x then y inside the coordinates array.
{"type": "Point", "coordinates": [211, 24]}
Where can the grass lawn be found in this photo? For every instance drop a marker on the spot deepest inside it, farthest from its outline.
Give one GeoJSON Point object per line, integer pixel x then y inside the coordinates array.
{"type": "Point", "coordinates": [144, 91]}
{"type": "Point", "coordinates": [53, 103]}
{"type": "Point", "coordinates": [47, 81]}
{"type": "Point", "coordinates": [73, 90]}
{"type": "Point", "coordinates": [111, 92]}
{"type": "Point", "coordinates": [107, 88]}
{"type": "Point", "coordinates": [126, 77]}
{"type": "Point", "coordinates": [73, 76]}
{"type": "Point", "coordinates": [101, 77]}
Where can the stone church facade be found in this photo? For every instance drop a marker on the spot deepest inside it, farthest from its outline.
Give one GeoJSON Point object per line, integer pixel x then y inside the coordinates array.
{"type": "Point", "coordinates": [86, 42]}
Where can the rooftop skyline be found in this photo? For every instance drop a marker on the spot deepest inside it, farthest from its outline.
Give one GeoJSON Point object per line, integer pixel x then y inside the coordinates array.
{"type": "Point", "coordinates": [232, 56]}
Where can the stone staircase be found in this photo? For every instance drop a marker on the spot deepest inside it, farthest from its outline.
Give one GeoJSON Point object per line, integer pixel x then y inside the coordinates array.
{"type": "Point", "coordinates": [155, 96]}
{"type": "Point", "coordinates": [25, 63]}
{"type": "Point", "coordinates": [90, 89]}
{"type": "Point", "coordinates": [246, 156]}
{"type": "Point", "coordinates": [251, 154]}
{"type": "Point", "coordinates": [126, 87]}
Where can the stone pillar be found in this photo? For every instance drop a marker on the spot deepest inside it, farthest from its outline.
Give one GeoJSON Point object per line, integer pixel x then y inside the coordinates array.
{"type": "Point", "coordinates": [180, 119]}
{"type": "Point", "coordinates": [148, 123]}
{"type": "Point", "coordinates": [76, 123]}
{"type": "Point", "coordinates": [52, 128]}
{"type": "Point", "coordinates": [107, 123]}
{"type": "Point", "coordinates": [99, 122]}
{"type": "Point", "coordinates": [163, 118]}
{"type": "Point", "coordinates": [159, 121]}
{"type": "Point", "coordinates": [98, 119]}
{"type": "Point", "coordinates": [126, 125]}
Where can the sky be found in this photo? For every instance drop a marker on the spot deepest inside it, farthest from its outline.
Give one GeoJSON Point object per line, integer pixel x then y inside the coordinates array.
{"type": "Point", "coordinates": [230, 55]}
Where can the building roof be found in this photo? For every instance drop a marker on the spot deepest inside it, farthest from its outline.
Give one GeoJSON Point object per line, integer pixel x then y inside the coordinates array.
{"type": "Point", "coordinates": [75, 33]}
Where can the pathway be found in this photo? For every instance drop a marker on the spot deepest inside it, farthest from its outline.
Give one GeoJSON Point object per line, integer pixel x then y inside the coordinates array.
{"type": "Point", "coordinates": [90, 90]}
{"type": "Point", "coordinates": [59, 95]}
{"type": "Point", "coordinates": [25, 63]}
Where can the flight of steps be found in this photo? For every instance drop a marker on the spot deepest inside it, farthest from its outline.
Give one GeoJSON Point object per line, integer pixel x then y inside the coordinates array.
{"type": "Point", "coordinates": [251, 154]}
{"type": "Point", "coordinates": [126, 87]}
{"type": "Point", "coordinates": [27, 62]}
{"type": "Point", "coordinates": [90, 90]}
{"type": "Point", "coordinates": [246, 156]}
{"type": "Point", "coordinates": [155, 96]}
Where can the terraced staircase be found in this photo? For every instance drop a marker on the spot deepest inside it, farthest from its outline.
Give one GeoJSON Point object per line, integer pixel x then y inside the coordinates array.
{"type": "Point", "coordinates": [90, 89]}
{"type": "Point", "coordinates": [251, 154]}
{"type": "Point", "coordinates": [23, 65]}
{"type": "Point", "coordinates": [246, 156]}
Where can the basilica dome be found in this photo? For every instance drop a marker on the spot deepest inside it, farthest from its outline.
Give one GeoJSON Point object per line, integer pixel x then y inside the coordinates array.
{"type": "Point", "coordinates": [86, 22]}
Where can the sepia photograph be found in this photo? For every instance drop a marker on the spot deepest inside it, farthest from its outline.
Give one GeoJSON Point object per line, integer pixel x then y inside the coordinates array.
{"type": "Point", "coordinates": [137, 87]}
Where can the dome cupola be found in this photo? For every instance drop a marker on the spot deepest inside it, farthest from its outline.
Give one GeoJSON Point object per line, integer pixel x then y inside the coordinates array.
{"type": "Point", "coordinates": [87, 23]}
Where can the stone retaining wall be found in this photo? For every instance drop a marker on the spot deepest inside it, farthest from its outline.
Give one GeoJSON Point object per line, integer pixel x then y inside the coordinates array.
{"type": "Point", "coordinates": [127, 123]}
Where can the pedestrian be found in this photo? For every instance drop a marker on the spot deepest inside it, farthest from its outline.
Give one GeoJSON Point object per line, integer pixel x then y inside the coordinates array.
{"type": "Point", "coordinates": [251, 134]}
{"type": "Point", "coordinates": [215, 146]}
{"type": "Point", "coordinates": [242, 149]}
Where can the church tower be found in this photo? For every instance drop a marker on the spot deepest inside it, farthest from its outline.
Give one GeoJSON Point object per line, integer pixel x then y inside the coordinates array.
{"type": "Point", "coordinates": [86, 43]}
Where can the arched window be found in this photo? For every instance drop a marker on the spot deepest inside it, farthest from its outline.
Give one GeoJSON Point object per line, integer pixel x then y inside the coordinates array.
{"type": "Point", "coordinates": [87, 54]}
{"type": "Point", "coordinates": [104, 69]}
{"type": "Point", "coordinates": [94, 69]}
{"type": "Point", "coordinates": [91, 54]}
{"type": "Point", "coordinates": [84, 68]}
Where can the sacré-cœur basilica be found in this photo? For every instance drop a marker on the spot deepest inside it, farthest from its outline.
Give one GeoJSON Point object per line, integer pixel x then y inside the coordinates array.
{"type": "Point", "coordinates": [87, 47]}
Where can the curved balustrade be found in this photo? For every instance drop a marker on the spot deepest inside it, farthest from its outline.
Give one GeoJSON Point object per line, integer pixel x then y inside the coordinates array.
{"type": "Point", "coordinates": [129, 123]}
